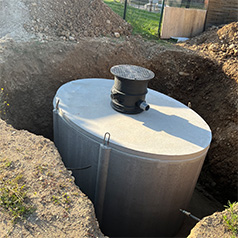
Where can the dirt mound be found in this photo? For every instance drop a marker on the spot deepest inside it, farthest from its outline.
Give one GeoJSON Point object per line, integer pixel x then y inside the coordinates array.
{"type": "Point", "coordinates": [59, 208]}
{"type": "Point", "coordinates": [46, 20]}
{"type": "Point", "coordinates": [73, 19]}
{"type": "Point", "coordinates": [219, 44]}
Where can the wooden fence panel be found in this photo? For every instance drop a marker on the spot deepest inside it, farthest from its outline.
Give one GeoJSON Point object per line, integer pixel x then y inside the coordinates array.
{"type": "Point", "coordinates": [221, 12]}
{"type": "Point", "coordinates": [182, 22]}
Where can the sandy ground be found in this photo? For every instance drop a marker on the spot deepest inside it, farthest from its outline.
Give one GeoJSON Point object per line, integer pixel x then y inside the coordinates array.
{"type": "Point", "coordinates": [60, 209]}
{"type": "Point", "coordinates": [213, 226]}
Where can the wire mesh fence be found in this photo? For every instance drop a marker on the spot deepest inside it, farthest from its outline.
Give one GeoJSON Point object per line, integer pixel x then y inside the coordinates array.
{"type": "Point", "coordinates": [144, 22]}
{"type": "Point", "coordinates": [146, 15]}
{"type": "Point", "coordinates": [156, 5]}
{"type": "Point", "coordinates": [197, 4]}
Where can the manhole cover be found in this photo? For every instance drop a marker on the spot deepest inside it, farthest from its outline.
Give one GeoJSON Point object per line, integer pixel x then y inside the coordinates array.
{"type": "Point", "coordinates": [132, 72]}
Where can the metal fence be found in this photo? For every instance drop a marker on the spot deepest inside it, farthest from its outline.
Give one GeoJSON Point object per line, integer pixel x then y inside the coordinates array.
{"type": "Point", "coordinates": [152, 6]}
{"type": "Point", "coordinates": [156, 5]}
{"type": "Point", "coordinates": [146, 15]}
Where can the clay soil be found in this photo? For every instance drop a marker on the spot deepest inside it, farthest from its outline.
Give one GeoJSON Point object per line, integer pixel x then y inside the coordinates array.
{"type": "Point", "coordinates": [201, 72]}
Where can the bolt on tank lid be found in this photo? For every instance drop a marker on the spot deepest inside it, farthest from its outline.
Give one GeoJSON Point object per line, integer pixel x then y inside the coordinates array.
{"type": "Point", "coordinates": [132, 72]}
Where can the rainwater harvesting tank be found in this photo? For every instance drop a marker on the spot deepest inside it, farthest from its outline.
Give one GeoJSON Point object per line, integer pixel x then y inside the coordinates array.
{"type": "Point", "coordinates": [137, 169]}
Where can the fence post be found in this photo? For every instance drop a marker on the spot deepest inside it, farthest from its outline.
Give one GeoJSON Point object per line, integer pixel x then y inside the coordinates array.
{"type": "Point", "coordinates": [161, 17]}
{"type": "Point", "coordinates": [125, 5]}
{"type": "Point", "coordinates": [188, 4]}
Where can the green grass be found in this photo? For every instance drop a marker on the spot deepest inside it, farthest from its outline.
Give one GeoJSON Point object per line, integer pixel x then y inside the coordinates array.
{"type": "Point", "coordinates": [144, 23]}
{"type": "Point", "coordinates": [62, 199]}
{"type": "Point", "coordinates": [13, 198]}
{"type": "Point", "coordinates": [231, 220]}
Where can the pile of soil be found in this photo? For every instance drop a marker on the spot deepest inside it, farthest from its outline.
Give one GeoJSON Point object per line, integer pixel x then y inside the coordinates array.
{"type": "Point", "coordinates": [59, 208]}
{"type": "Point", "coordinates": [219, 44]}
{"type": "Point", "coordinates": [73, 19]}
{"type": "Point", "coordinates": [46, 20]}
{"type": "Point", "coordinates": [219, 106]}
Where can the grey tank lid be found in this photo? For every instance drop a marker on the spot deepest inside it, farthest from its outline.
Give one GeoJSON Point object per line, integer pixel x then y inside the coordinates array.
{"type": "Point", "coordinates": [132, 72]}
{"type": "Point", "coordinates": [169, 128]}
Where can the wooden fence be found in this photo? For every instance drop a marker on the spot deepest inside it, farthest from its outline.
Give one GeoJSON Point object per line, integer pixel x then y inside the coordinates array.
{"type": "Point", "coordinates": [221, 12]}
{"type": "Point", "coordinates": [182, 22]}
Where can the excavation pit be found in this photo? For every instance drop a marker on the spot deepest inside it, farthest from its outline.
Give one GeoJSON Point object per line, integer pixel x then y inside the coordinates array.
{"type": "Point", "coordinates": [31, 78]}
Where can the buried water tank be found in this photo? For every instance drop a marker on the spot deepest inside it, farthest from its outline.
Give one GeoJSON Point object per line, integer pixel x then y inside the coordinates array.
{"type": "Point", "coordinates": [137, 169]}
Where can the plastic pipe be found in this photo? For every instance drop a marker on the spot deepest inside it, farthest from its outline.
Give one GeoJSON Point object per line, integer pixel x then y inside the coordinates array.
{"type": "Point", "coordinates": [144, 106]}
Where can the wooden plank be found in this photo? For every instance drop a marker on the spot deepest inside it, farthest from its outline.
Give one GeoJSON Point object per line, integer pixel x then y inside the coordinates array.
{"type": "Point", "coordinates": [182, 22]}
{"type": "Point", "coordinates": [220, 12]}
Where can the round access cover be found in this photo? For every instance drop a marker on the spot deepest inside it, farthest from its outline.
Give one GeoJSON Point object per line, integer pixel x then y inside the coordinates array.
{"type": "Point", "coordinates": [132, 72]}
